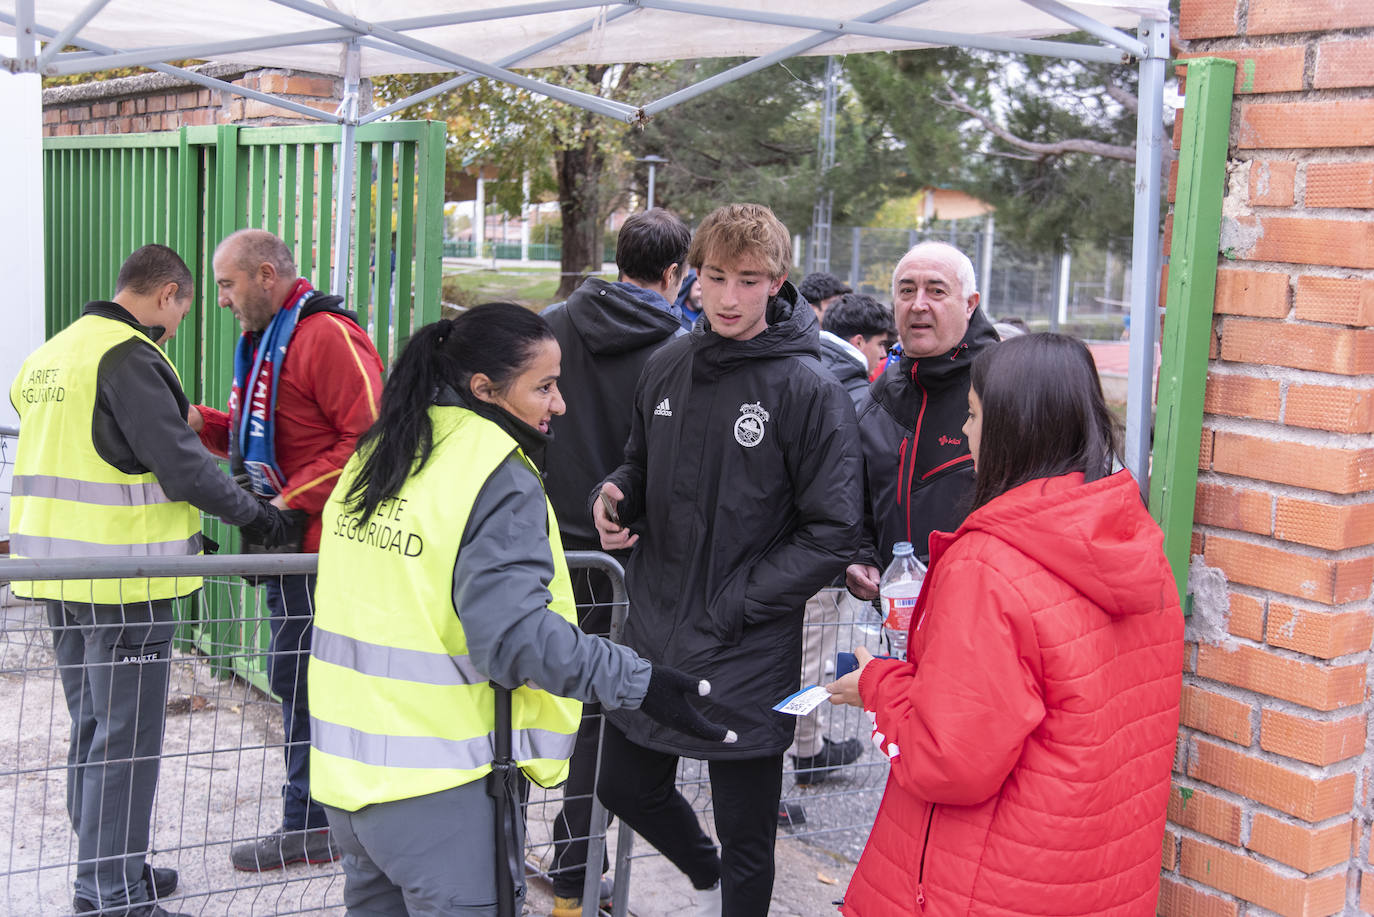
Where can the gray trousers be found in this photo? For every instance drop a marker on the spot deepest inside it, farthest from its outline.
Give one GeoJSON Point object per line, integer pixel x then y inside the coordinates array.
{"type": "Point", "coordinates": [113, 662]}
{"type": "Point", "coordinates": [429, 856]}
{"type": "Point", "coordinates": [825, 612]}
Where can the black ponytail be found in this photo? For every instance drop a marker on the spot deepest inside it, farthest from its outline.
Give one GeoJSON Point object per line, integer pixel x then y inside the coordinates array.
{"type": "Point", "coordinates": [497, 339]}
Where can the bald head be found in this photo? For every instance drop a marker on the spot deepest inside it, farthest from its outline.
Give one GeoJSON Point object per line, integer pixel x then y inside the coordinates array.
{"type": "Point", "coordinates": [249, 248]}
{"type": "Point", "coordinates": [934, 295]}
{"type": "Point", "coordinates": [942, 251]}
{"type": "Point", "coordinates": [254, 272]}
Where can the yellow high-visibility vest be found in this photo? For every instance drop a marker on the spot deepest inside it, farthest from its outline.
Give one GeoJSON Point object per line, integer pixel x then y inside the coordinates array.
{"type": "Point", "coordinates": [70, 502]}
{"type": "Point", "coordinates": [397, 709]}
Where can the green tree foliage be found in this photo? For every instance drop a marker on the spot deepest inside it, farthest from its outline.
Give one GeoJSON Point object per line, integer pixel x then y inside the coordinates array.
{"type": "Point", "coordinates": [1052, 199]}
{"type": "Point", "coordinates": [756, 139]}
{"type": "Point", "coordinates": [1036, 137]}
{"type": "Point", "coordinates": [578, 155]}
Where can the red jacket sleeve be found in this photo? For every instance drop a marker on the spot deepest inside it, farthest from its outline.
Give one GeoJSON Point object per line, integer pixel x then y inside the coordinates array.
{"type": "Point", "coordinates": [953, 723]}
{"type": "Point", "coordinates": [215, 434]}
{"type": "Point", "coordinates": [342, 372]}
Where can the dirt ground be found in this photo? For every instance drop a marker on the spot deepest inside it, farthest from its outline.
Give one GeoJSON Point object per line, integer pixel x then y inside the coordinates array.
{"type": "Point", "coordinates": [219, 784]}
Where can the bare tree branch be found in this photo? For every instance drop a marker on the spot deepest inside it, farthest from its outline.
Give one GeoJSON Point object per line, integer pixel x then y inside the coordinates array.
{"type": "Point", "coordinates": [1042, 151]}
{"type": "Point", "coordinates": [1126, 100]}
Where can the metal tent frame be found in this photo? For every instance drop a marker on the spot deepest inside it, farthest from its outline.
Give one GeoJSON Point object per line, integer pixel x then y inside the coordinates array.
{"type": "Point", "coordinates": [353, 35]}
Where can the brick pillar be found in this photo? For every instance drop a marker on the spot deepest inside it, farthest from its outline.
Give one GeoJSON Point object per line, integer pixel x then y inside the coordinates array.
{"type": "Point", "coordinates": [1271, 807]}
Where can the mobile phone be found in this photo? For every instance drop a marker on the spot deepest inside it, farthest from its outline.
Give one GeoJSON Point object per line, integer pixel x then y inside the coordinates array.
{"type": "Point", "coordinates": [609, 506]}
{"type": "Point", "coordinates": [848, 662]}
{"type": "Point", "coordinates": [844, 664]}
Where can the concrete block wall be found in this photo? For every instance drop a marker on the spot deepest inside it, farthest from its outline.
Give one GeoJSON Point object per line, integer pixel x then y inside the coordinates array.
{"type": "Point", "coordinates": [1271, 808]}
{"type": "Point", "coordinates": [159, 102]}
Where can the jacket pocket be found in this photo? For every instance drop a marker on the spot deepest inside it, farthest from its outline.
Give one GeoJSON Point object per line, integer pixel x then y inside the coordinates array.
{"type": "Point", "coordinates": [922, 877]}
{"type": "Point", "coordinates": [726, 608]}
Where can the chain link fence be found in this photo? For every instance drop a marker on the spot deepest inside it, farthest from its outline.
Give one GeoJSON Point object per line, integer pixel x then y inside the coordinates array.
{"type": "Point", "coordinates": [222, 759]}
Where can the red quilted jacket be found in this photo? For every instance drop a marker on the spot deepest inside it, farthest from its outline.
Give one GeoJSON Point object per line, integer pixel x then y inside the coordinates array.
{"type": "Point", "coordinates": [1032, 734]}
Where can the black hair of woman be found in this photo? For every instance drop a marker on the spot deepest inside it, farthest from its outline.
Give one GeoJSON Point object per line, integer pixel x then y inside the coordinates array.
{"type": "Point", "coordinates": [496, 339]}
{"type": "Point", "coordinates": [1043, 414]}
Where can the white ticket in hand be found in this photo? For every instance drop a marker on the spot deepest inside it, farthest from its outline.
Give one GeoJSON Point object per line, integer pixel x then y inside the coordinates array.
{"type": "Point", "coordinates": [803, 702]}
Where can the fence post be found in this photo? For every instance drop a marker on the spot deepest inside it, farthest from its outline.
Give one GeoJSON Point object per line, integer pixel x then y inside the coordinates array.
{"type": "Point", "coordinates": [1191, 292]}
{"type": "Point", "coordinates": [854, 257]}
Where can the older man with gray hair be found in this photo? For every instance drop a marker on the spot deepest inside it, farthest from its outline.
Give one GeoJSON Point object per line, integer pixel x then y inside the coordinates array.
{"type": "Point", "coordinates": [918, 474]}
{"type": "Point", "coordinates": [307, 384]}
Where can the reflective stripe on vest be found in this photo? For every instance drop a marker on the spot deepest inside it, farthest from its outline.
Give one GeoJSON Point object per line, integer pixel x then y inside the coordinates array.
{"type": "Point", "coordinates": [428, 751]}
{"type": "Point", "coordinates": [101, 494]}
{"type": "Point", "coordinates": [393, 662]}
{"type": "Point", "coordinates": [67, 500]}
{"type": "Point", "coordinates": [39, 546]}
{"type": "Point", "coordinates": [398, 709]}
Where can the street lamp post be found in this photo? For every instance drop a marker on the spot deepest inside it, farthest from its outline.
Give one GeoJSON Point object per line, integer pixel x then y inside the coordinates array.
{"type": "Point", "coordinates": [653, 160]}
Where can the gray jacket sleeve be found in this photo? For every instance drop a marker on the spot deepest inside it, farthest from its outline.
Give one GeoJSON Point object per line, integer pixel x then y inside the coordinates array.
{"type": "Point", "coordinates": [140, 424]}
{"type": "Point", "coordinates": [501, 590]}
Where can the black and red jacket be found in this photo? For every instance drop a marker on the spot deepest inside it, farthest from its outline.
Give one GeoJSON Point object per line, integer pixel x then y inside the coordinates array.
{"type": "Point", "coordinates": [918, 473]}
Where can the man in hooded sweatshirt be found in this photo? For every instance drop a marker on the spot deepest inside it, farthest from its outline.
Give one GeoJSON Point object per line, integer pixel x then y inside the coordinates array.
{"type": "Point", "coordinates": [741, 495]}
{"type": "Point", "coordinates": [917, 465]}
{"type": "Point", "coordinates": [607, 331]}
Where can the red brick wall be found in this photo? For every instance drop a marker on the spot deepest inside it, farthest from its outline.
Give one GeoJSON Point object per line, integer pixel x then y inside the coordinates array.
{"type": "Point", "coordinates": [148, 103]}
{"type": "Point", "coordinates": [1271, 807]}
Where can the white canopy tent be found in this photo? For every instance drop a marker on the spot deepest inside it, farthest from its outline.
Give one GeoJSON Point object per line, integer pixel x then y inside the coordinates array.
{"type": "Point", "coordinates": [360, 38]}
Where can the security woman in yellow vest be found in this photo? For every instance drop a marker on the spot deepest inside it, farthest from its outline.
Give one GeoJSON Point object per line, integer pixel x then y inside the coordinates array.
{"type": "Point", "coordinates": [441, 572]}
{"type": "Point", "coordinates": [107, 467]}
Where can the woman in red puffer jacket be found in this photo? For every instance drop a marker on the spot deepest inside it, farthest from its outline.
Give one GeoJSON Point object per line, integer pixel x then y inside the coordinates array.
{"type": "Point", "coordinates": [1032, 732]}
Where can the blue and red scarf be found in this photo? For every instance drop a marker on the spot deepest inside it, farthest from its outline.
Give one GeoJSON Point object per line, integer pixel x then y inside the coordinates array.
{"type": "Point", "coordinates": [257, 363]}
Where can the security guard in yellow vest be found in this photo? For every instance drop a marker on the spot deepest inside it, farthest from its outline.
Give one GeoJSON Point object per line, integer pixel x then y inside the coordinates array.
{"type": "Point", "coordinates": [106, 466]}
{"type": "Point", "coordinates": [441, 574]}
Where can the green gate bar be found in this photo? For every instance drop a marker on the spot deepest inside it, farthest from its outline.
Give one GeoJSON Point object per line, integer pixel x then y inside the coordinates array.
{"type": "Point", "coordinates": [1188, 313]}
{"type": "Point", "coordinates": [105, 196]}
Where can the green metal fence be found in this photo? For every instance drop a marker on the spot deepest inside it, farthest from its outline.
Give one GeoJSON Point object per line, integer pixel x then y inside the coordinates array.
{"type": "Point", "coordinates": [106, 196]}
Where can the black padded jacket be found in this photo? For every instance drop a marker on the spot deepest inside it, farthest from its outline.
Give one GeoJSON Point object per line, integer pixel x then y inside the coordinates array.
{"type": "Point", "coordinates": [743, 479]}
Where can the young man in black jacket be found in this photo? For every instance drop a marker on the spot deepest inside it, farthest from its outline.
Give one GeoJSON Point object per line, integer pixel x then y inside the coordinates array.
{"type": "Point", "coordinates": [740, 492]}
{"type": "Point", "coordinates": [918, 470]}
{"type": "Point", "coordinates": [607, 332]}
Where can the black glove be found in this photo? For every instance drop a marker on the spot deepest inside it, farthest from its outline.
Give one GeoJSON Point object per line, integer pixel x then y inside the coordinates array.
{"type": "Point", "coordinates": [272, 528]}
{"type": "Point", "coordinates": [666, 702]}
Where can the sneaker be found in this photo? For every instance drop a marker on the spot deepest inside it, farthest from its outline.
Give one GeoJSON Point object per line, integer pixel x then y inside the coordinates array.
{"type": "Point", "coordinates": [282, 848]}
{"type": "Point", "coordinates": [159, 881]}
{"type": "Point", "coordinates": [818, 767]}
{"type": "Point", "coordinates": [708, 902]}
{"type": "Point", "coordinates": [572, 907]}
{"type": "Point", "coordinates": [791, 814]}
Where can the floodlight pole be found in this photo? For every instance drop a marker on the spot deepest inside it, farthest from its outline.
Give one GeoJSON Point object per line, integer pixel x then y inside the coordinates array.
{"type": "Point", "coordinates": [1145, 250]}
{"type": "Point", "coordinates": [343, 218]}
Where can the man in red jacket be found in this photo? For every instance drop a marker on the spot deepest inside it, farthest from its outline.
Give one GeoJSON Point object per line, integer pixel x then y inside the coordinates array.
{"type": "Point", "coordinates": [307, 383]}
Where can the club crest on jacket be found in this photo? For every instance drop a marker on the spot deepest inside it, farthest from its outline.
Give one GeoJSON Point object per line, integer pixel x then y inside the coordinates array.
{"type": "Point", "coordinates": [749, 426]}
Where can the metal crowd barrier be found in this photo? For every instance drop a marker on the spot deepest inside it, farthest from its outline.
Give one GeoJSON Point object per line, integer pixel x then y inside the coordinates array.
{"type": "Point", "coordinates": [222, 757]}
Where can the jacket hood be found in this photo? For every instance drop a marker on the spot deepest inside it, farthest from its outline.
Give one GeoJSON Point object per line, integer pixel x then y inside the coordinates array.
{"type": "Point", "coordinates": [838, 356]}
{"type": "Point", "coordinates": [1096, 537]}
{"type": "Point", "coordinates": [792, 331]}
{"type": "Point", "coordinates": [619, 317]}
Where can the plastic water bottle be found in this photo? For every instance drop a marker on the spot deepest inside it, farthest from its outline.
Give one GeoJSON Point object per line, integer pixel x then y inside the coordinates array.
{"type": "Point", "coordinates": [899, 587]}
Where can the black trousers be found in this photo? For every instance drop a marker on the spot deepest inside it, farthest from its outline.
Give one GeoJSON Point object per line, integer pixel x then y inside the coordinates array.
{"type": "Point", "coordinates": [573, 825]}
{"type": "Point", "coordinates": [639, 785]}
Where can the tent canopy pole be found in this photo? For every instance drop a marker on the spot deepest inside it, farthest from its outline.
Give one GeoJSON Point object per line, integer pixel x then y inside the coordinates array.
{"type": "Point", "coordinates": [1145, 255]}
{"type": "Point", "coordinates": [343, 217]}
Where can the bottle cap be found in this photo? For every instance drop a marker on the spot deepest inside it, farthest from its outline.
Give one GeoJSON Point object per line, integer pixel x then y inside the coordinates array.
{"type": "Point", "coordinates": [903, 547]}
